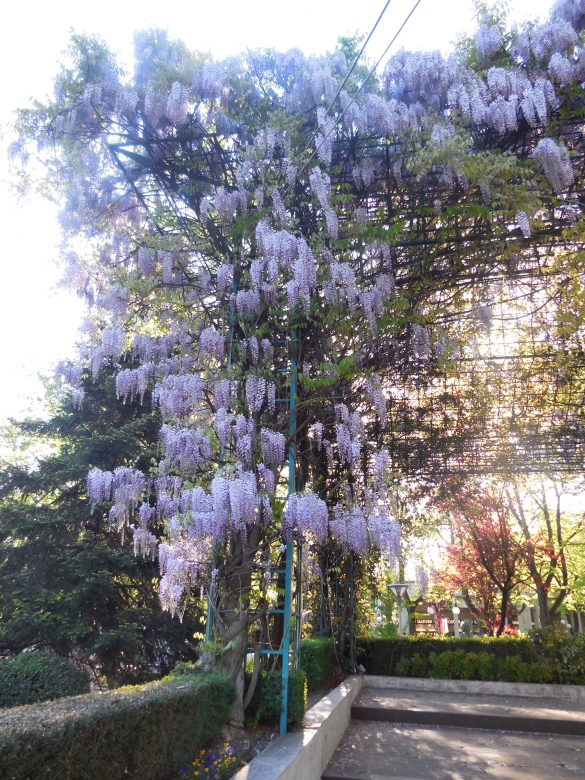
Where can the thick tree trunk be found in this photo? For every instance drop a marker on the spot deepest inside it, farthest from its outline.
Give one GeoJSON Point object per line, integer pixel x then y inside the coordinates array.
{"type": "Point", "coordinates": [232, 617]}
{"type": "Point", "coordinates": [543, 608]}
{"type": "Point", "coordinates": [232, 663]}
{"type": "Point", "coordinates": [503, 612]}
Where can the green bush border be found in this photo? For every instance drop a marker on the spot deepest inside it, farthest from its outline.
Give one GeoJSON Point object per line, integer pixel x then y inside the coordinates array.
{"type": "Point", "coordinates": [462, 665]}
{"type": "Point", "coordinates": [381, 656]}
{"type": "Point", "coordinates": [266, 704]}
{"type": "Point", "coordinates": [549, 655]}
{"type": "Point", "coordinates": [136, 733]}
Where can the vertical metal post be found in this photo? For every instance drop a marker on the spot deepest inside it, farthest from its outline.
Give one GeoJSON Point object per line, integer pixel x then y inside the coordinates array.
{"type": "Point", "coordinates": [298, 608]}
{"type": "Point", "coordinates": [209, 621]}
{"type": "Point", "coordinates": [321, 607]}
{"type": "Point", "coordinates": [289, 542]}
{"type": "Point", "coordinates": [351, 616]}
{"type": "Point", "coordinates": [399, 607]}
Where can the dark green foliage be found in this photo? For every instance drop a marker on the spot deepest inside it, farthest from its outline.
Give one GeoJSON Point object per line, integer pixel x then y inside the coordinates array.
{"type": "Point", "coordinates": [266, 704]}
{"type": "Point", "coordinates": [514, 670]}
{"type": "Point", "coordinates": [39, 676]}
{"type": "Point", "coordinates": [69, 580]}
{"type": "Point", "coordinates": [403, 668]}
{"type": "Point", "coordinates": [317, 660]}
{"type": "Point", "coordinates": [454, 665]}
{"type": "Point", "coordinates": [183, 669]}
{"type": "Point", "coordinates": [459, 665]}
{"type": "Point", "coordinates": [563, 652]}
{"type": "Point", "coordinates": [417, 666]}
{"type": "Point", "coordinates": [381, 656]}
{"type": "Point", "coordinates": [136, 733]}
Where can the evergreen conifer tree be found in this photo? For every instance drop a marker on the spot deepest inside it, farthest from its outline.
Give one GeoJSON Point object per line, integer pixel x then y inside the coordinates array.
{"type": "Point", "coordinates": [68, 580]}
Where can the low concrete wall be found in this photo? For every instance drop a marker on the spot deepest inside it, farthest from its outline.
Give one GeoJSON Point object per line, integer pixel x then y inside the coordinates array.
{"type": "Point", "coordinates": [562, 692]}
{"type": "Point", "coordinates": [304, 754]}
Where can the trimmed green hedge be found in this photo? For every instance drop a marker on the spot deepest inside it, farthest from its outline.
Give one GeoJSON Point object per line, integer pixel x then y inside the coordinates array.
{"type": "Point", "coordinates": [297, 699]}
{"type": "Point", "coordinates": [550, 654]}
{"type": "Point", "coordinates": [136, 733]}
{"type": "Point", "coordinates": [317, 660]}
{"type": "Point", "coordinates": [39, 676]}
{"type": "Point", "coordinates": [266, 704]}
{"type": "Point", "coordinates": [461, 665]}
{"type": "Point", "coordinates": [382, 656]}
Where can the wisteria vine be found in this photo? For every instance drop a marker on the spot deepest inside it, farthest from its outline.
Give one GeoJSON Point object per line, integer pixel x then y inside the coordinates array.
{"type": "Point", "coordinates": [204, 270]}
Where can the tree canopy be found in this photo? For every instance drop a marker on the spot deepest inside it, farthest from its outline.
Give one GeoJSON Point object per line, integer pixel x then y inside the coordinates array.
{"type": "Point", "coordinates": [303, 261]}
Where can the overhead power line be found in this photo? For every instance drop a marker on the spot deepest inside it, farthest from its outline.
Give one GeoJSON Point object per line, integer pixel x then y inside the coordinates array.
{"type": "Point", "coordinates": [370, 74]}
{"type": "Point", "coordinates": [355, 62]}
{"type": "Point", "coordinates": [350, 71]}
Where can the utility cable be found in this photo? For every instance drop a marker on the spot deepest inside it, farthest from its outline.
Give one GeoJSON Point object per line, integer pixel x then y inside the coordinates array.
{"type": "Point", "coordinates": [355, 62]}
{"type": "Point", "coordinates": [370, 74]}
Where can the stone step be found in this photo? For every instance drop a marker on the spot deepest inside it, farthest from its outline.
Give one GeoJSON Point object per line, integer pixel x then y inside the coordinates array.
{"type": "Point", "coordinates": [330, 776]}
{"type": "Point", "coordinates": [420, 729]}
{"type": "Point", "coordinates": [496, 713]}
{"type": "Point", "coordinates": [467, 720]}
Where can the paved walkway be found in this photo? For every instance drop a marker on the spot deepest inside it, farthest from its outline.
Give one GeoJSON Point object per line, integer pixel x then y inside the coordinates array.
{"type": "Point", "coordinates": [402, 750]}
{"type": "Point", "coordinates": [381, 751]}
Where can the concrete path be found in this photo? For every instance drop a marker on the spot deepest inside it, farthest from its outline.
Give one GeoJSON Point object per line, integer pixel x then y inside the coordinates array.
{"type": "Point", "coordinates": [383, 751]}
{"type": "Point", "coordinates": [428, 735]}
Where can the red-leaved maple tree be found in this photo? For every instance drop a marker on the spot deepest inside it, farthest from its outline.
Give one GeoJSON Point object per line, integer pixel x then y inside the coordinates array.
{"type": "Point", "coordinates": [485, 558]}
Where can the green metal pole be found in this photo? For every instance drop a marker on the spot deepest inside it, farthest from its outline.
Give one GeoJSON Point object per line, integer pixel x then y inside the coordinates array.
{"type": "Point", "coordinates": [289, 543]}
{"type": "Point", "coordinates": [351, 616]}
{"type": "Point", "coordinates": [209, 621]}
{"type": "Point", "coordinates": [298, 609]}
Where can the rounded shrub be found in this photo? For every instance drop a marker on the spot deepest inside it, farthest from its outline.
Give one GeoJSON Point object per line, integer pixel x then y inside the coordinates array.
{"type": "Point", "coordinates": [562, 653]}
{"type": "Point", "coordinates": [317, 660]}
{"type": "Point", "coordinates": [39, 676]}
{"type": "Point", "coordinates": [266, 704]}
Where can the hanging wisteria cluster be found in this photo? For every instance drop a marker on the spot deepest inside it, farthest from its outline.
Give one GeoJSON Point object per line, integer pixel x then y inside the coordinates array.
{"type": "Point", "coordinates": [125, 487]}
{"type": "Point", "coordinates": [227, 258]}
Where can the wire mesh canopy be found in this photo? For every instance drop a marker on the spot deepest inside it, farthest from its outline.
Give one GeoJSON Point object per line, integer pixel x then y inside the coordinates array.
{"type": "Point", "coordinates": [487, 382]}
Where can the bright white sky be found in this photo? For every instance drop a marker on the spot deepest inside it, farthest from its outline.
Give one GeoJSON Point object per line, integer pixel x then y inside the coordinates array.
{"type": "Point", "coordinates": [38, 323]}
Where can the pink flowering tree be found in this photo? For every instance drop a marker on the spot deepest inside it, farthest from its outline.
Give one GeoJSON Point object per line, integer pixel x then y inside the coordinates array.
{"type": "Point", "coordinates": [255, 232]}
